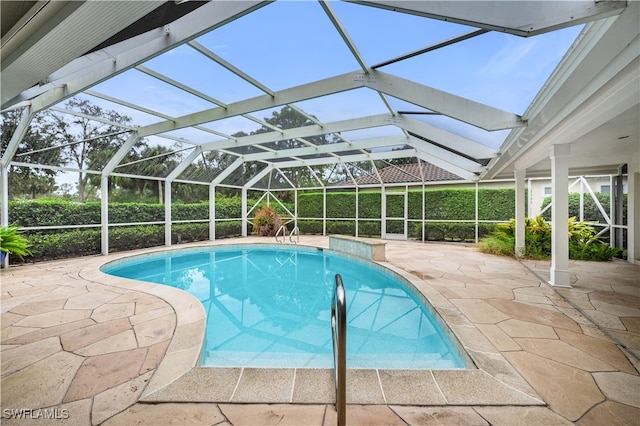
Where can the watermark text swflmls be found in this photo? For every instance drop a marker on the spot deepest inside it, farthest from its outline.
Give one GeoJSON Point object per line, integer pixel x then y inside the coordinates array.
{"type": "Point", "coordinates": [36, 413]}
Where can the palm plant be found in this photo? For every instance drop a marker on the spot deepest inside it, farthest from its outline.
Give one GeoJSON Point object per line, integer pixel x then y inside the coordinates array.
{"type": "Point", "coordinates": [13, 242]}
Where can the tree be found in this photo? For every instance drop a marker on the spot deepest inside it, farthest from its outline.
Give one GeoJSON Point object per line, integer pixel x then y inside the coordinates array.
{"type": "Point", "coordinates": [289, 118]}
{"type": "Point", "coordinates": [89, 143]}
{"type": "Point", "coordinates": [36, 147]}
{"type": "Point", "coordinates": [153, 161]}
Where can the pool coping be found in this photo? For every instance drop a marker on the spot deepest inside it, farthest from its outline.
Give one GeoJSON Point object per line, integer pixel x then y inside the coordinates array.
{"type": "Point", "coordinates": [178, 377]}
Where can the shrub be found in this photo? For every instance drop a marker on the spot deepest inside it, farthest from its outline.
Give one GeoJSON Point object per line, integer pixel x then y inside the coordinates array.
{"type": "Point", "coordinates": [341, 227]}
{"type": "Point", "coordinates": [584, 244]}
{"type": "Point", "coordinates": [266, 222]}
{"type": "Point", "coordinates": [310, 227]}
{"type": "Point", "coordinates": [78, 242]}
{"type": "Point", "coordinates": [232, 228]}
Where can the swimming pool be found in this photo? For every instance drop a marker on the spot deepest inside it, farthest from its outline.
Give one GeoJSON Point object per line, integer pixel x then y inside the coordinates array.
{"type": "Point", "coordinates": [269, 306]}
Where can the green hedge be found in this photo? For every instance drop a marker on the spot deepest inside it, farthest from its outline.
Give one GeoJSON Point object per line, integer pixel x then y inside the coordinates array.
{"type": "Point", "coordinates": [449, 231]}
{"type": "Point", "coordinates": [83, 242]}
{"type": "Point", "coordinates": [439, 205]}
{"type": "Point", "coordinates": [56, 212]}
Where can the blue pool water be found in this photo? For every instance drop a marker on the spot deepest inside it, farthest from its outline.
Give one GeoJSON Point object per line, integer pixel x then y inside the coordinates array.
{"type": "Point", "coordinates": [270, 306]}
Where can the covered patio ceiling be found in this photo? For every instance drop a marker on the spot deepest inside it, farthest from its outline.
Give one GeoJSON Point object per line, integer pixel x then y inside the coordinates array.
{"type": "Point", "coordinates": [362, 109]}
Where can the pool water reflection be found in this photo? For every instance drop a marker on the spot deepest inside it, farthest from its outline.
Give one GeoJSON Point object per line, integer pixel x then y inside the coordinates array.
{"type": "Point", "coordinates": [269, 306]}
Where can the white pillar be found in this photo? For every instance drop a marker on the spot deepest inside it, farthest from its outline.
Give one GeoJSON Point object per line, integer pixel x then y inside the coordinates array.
{"type": "Point", "coordinates": [295, 209]}
{"type": "Point", "coordinates": [476, 214]}
{"type": "Point", "coordinates": [4, 207]}
{"type": "Point", "coordinates": [4, 189]}
{"type": "Point", "coordinates": [244, 212]}
{"type": "Point", "coordinates": [167, 213]}
{"type": "Point", "coordinates": [104, 215]}
{"type": "Point", "coordinates": [633, 208]}
{"type": "Point", "coordinates": [559, 216]}
{"type": "Point", "coordinates": [520, 212]}
{"type": "Point", "coordinates": [383, 213]}
{"type": "Point", "coordinates": [324, 212]}
{"type": "Point", "coordinates": [357, 212]}
{"type": "Point", "coordinates": [212, 212]}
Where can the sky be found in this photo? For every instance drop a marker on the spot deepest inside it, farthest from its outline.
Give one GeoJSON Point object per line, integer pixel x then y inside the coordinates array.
{"type": "Point", "coordinates": [288, 43]}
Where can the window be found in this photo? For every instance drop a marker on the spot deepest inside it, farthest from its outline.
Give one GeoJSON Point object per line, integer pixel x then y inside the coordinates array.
{"type": "Point", "coordinates": [605, 189]}
{"type": "Point", "coordinates": [547, 190]}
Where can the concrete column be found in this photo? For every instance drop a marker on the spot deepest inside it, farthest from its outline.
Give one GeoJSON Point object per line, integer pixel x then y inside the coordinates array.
{"type": "Point", "coordinates": [520, 212]}
{"type": "Point", "coordinates": [559, 215]}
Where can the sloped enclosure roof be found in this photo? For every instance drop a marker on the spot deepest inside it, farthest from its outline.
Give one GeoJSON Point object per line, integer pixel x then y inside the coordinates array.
{"type": "Point", "coordinates": [319, 93]}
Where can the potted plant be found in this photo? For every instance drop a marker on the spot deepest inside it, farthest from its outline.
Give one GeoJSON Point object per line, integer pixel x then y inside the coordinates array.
{"type": "Point", "coordinates": [13, 242]}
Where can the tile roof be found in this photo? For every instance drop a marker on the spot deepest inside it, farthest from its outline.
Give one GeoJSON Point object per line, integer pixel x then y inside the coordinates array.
{"type": "Point", "coordinates": [408, 173]}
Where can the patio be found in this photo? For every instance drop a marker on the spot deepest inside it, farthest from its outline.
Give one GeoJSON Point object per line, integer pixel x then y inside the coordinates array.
{"type": "Point", "coordinates": [95, 349]}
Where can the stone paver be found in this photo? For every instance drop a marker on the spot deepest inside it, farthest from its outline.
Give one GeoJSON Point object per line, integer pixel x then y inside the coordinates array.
{"type": "Point", "coordinates": [112, 351]}
{"type": "Point", "coordinates": [569, 391]}
{"type": "Point", "coordinates": [168, 414]}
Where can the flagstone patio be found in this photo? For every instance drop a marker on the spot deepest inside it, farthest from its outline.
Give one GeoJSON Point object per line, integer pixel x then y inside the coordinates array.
{"type": "Point", "coordinates": [92, 349]}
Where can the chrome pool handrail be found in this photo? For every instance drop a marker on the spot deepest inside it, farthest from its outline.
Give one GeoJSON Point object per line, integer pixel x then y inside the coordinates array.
{"type": "Point", "coordinates": [339, 335]}
{"type": "Point", "coordinates": [282, 228]}
{"type": "Point", "coordinates": [295, 231]}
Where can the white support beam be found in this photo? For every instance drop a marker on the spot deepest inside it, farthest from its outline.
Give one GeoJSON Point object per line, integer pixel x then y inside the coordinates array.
{"type": "Point", "coordinates": [522, 18]}
{"type": "Point", "coordinates": [344, 34]}
{"type": "Point", "coordinates": [179, 85]}
{"type": "Point", "coordinates": [244, 220]}
{"type": "Point", "coordinates": [16, 138]}
{"type": "Point", "coordinates": [212, 212]}
{"type": "Point", "coordinates": [334, 148]}
{"type": "Point", "coordinates": [122, 152]}
{"type": "Point", "coordinates": [184, 164]}
{"type": "Point", "coordinates": [520, 213]}
{"type": "Point", "coordinates": [458, 171]}
{"type": "Point", "coordinates": [167, 214]}
{"type": "Point", "coordinates": [259, 176]}
{"type": "Point", "coordinates": [96, 67]}
{"type": "Point", "coordinates": [466, 110]}
{"type": "Point", "coordinates": [559, 216]}
{"type": "Point", "coordinates": [104, 215]}
{"type": "Point", "coordinates": [151, 112]}
{"type": "Point", "coordinates": [58, 32]}
{"type": "Point", "coordinates": [380, 155]}
{"type": "Point", "coordinates": [304, 132]}
{"type": "Point", "coordinates": [4, 193]}
{"type": "Point", "coordinates": [450, 140]}
{"type": "Point", "coordinates": [227, 171]}
{"type": "Point", "coordinates": [92, 118]}
{"type": "Point", "coordinates": [449, 157]}
{"type": "Point", "coordinates": [633, 208]}
{"type": "Point", "coordinates": [340, 83]}
{"type": "Point", "coordinates": [246, 77]}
